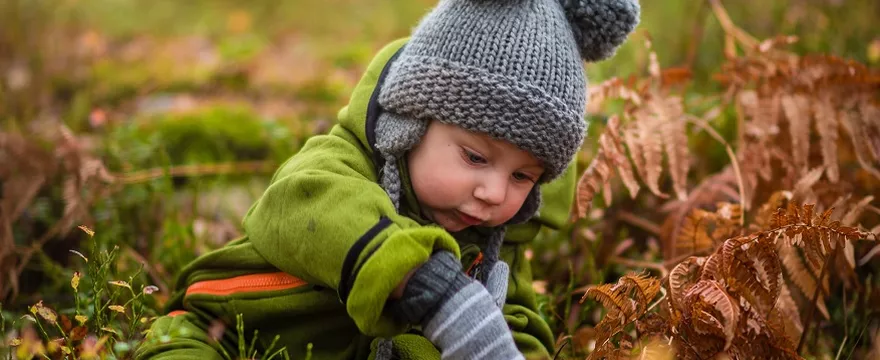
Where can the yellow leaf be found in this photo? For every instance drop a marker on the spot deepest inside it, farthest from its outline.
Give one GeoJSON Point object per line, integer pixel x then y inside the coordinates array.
{"type": "Point", "coordinates": [65, 350]}
{"type": "Point", "coordinates": [44, 312]}
{"type": "Point", "coordinates": [117, 308]}
{"type": "Point", "coordinates": [110, 330]}
{"type": "Point", "coordinates": [74, 282]}
{"type": "Point", "coordinates": [81, 319]}
{"type": "Point", "coordinates": [87, 230]}
{"type": "Point", "coordinates": [15, 342]}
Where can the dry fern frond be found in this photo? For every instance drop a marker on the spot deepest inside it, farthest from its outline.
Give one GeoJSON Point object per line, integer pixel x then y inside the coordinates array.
{"type": "Point", "coordinates": [712, 313]}
{"type": "Point", "coordinates": [670, 112]}
{"type": "Point", "coordinates": [647, 127]}
{"type": "Point", "coordinates": [611, 155]}
{"type": "Point", "coordinates": [826, 126]}
{"type": "Point", "coordinates": [797, 111]}
{"type": "Point", "coordinates": [683, 276]}
{"type": "Point", "coordinates": [611, 296]}
{"type": "Point", "coordinates": [803, 279]}
{"type": "Point", "coordinates": [787, 310]}
{"type": "Point", "coordinates": [753, 271]}
{"type": "Point", "coordinates": [859, 130]}
{"type": "Point", "coordinates": [703, 230]}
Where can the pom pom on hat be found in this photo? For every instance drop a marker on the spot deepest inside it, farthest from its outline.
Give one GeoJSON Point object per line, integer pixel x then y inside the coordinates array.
{"type": "Point", "coordinates": [600, 26]}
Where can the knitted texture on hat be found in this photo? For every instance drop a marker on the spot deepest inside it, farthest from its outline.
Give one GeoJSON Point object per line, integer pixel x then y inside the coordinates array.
{"type": "Point", "coordinates": [510, 69]}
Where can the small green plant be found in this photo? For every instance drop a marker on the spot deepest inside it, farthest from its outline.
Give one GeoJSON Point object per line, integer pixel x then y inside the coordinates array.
{"type": "Point", "coordinates": [108, 320]}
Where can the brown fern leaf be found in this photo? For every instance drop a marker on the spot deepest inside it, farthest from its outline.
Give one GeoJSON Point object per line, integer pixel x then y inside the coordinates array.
{"type": "Point", "coordinates": [611, 296]}
{"type": "Point", "coordinates": [802, 278]}
{"type": "Point", "coordinates": [703, 230]}
{"type": "Point", "coordinates": [767, 211]}
{"type": "Point", "coordinates": [670, 114]}
{"type": "Point", "coordinates": [695, 235]}
{"type": "Point", "coordinates": [869, 114]}
{"type": "Point", "coordinates": [796, 111]}
{"type": "Point", "coordinates": [754, 271]}
{"type": "Point", "coordinates": [683, 276]}
{"type": "Point", "coordinates": [610, 155]}
{"type": "Point", "coordinates": [826, 126]}
{"type": "Point", "coordinates": [789, 313]}
{"type": "Point", "coordinates": [644, 286]}
{"type": "Point", "coordinates": [763, 113]}
{"type": "Point", "coordinates": [712, 311]}
{"type": "Point", "coordinates": [859, 135]}
{"type": "Point", "coordinates": [852, 216]}
{"type": "Point", "coordinates": [728, 221]}
{"type": "Point", "coordinates": [647, 125]}
{"type": "Point", "coordinates": [712, 269]}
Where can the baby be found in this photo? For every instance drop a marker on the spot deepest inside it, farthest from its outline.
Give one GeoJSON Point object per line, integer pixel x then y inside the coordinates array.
{"type": "Point", "coordinates": [401, 234]}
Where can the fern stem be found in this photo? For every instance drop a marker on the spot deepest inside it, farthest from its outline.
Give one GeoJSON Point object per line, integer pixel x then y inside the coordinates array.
{"type": "Point", "coordinates": [816, 297]}
{"type": "Point", "coordinates": [639, 222]}
{"type": "Point", "coordinates": [196, 170]}
{"type": "Point", "coordinates": [733, 162]}
{"type": "Point", "coordinates": [747, 40]}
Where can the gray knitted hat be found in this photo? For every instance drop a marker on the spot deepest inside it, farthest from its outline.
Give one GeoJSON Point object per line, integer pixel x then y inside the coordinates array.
{"type": "Point", "coordinates": [511, 69]}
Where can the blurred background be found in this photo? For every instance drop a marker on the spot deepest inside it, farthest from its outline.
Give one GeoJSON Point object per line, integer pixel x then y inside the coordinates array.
{"type": "Point", "coordinates": [157, 123]}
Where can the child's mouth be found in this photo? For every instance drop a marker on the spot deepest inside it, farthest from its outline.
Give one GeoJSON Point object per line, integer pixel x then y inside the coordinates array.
{"type": "Point", "coordinates": [467, 219]}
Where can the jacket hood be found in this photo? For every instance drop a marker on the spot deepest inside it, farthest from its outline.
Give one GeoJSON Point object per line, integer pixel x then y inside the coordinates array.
{"type": "Point", "coordinates": [363, 108]}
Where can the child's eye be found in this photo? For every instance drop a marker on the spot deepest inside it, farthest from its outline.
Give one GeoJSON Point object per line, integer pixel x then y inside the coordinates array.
{"type": "Point", "coordinates": [518, 176]}
{"type": "Point", "coordinates": [474, 158]}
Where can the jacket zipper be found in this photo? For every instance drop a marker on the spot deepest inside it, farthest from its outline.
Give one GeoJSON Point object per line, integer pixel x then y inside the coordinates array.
{"type": "Point", "coordinates": [246, 284]}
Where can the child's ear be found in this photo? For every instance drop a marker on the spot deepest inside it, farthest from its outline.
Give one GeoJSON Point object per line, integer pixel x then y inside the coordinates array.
{"type": "Point", "coordinates": [600, 26]}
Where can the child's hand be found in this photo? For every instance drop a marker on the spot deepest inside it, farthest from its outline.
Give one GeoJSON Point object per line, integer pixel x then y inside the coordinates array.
{"type": "Point", "coordinates": [456, 312]}
{"type": "Point", "coordinates": [496, 282]}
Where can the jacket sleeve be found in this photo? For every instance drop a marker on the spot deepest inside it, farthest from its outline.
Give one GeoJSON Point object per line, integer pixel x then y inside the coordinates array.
{"type": "Point", "coordinates": [325, 219]}
{"type": "Point", "coordinates": [178, 337]}
{"type": "Point", "coordinates": [532, 334]}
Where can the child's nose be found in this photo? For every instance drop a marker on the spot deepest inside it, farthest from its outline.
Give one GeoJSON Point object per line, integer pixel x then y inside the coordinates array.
{"type": "Point", "coordinates": [492, 189]}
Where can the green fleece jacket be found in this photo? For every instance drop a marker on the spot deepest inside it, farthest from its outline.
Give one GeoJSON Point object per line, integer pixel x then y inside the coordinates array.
{"type": "Point", "coordinates": [323, 249]}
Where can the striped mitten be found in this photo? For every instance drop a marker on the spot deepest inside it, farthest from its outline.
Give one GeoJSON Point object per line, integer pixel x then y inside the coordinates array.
{"type": "Point", "coordinates": [457, 314]}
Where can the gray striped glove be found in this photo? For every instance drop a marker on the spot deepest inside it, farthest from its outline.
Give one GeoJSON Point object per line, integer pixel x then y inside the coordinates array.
{"type": "Point", "coordinates": [457, 314]}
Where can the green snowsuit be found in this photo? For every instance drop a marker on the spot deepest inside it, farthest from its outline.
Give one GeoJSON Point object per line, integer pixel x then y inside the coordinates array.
{"type": "Point", "coordinates": [324, 248]}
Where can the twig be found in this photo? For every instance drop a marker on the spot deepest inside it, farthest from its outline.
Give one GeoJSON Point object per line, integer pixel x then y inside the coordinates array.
{"type": "Point", "coordinates": [639, 222]}
{"type": "Point", "coordinates": [197, 170]}
{"type": "Point", "coordinates": [816, 297]}
{"type": "Point", "coordinates": [730, 28]}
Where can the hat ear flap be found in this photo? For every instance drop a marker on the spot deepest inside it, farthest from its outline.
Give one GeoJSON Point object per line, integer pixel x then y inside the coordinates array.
{"type": "Point", "coordinates": [529, 208]}
{"type": "Point", "coordinates": [600, 26]}
{"type": "Point", "coordinates": [395, 134]}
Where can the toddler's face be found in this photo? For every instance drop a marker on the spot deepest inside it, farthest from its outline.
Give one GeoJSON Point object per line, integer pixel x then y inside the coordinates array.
{"type": "Point", "coordinates": [464, 179]}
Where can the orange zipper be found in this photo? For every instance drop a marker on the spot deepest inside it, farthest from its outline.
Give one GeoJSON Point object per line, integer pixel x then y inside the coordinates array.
{"type": "Point", "coordinates": [478, 260]}
{"type": "Point", "coordinates": [245, 284]}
